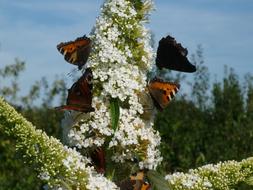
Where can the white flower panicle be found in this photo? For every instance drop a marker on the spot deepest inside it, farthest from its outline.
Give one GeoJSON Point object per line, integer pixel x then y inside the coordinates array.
{"type": "Point", "coordinates": [75, 163]}
{"type": "Point", "coordinates": [120, 60]}
{"type": "Point", "coordinates": [223, 175]}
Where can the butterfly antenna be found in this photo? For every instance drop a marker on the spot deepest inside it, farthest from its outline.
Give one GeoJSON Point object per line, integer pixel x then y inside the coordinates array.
{"type": "Point", "coordinates": [71, 73]}
{"type": "Point", "coordinates": [148, 108]}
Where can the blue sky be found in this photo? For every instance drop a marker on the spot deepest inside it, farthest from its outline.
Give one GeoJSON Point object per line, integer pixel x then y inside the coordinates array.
{"type": "Point", "coordinates": [30, 31]}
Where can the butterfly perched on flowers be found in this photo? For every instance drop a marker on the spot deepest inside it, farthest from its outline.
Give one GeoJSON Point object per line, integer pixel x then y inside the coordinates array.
{"type": "Point", "coordinates": [80, 94]}
{"type": "Point", "coordinates": [140, 183]}
{"type": "Point", "coordinates": [76, 52]}
{"type": "Point", "coordinates": [136, 181]}
{"type": "Point", "coordinates": [162, 92]}
{"type": "Point", "coordinates": [173, 56]}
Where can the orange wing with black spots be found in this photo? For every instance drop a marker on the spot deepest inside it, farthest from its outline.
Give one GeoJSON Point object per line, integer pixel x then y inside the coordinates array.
{"type": "Point", "coordinates": [162, 92]}
{"type": "Point", "coordinates": [76, 52]}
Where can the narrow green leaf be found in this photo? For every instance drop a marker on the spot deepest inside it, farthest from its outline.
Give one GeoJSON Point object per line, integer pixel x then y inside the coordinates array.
{"type": "Point", "coordinates": [66, 185]}
{"type": "Point", "coordinates": [114, 109]}
{"type": "Point", "coordinates": [157, 181]}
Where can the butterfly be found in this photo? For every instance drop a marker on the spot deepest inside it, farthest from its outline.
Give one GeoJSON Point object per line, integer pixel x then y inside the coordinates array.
{"type": "Point", "coordinates": [76, 52]}
{"type": "Point", "coordinates": [140, 181]}
{"type": "Point", "coordinates": [80, 94]}
{"type": "Point", "coordinates": [172, 55]}
{"type": "Point", "coordinates": [162, 92]}
{"type": "Point", "coordinates": [136, 181]}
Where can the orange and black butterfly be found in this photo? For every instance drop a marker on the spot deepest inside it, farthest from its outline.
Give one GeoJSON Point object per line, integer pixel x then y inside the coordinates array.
{"type": "Point", "coordinates": [140, 182]}
{"type": "Point", "coordinates": [76, 52]}
{"type": "Point", "coordinates": [136, 181]}
{"type": "Point", "coordinates": [172, 55]}
{"type": "Point", "coordinates": [162, 92]}
{"type": "Point", "coordinates": [80, 94]}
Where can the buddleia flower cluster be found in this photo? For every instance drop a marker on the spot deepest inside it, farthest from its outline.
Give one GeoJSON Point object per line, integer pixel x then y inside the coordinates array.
{"type": "Point", "coordinates": [122, 120]}
{"type": "Point", "coordinates": [224, 175]}
{"type": "Point", "coordinates": [120, 60]}
{"type": "Point", "coordinates": [59, 166]}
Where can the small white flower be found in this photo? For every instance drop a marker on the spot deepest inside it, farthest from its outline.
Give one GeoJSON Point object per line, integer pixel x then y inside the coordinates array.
{"type": "Point", "coordinates": [44, 176]}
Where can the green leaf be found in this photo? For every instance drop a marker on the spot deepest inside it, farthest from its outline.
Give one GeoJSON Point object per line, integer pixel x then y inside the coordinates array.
{"type": "Point", "coordinates": [114, 109]}
{"type": "Point", "coordinates": [157, 181]}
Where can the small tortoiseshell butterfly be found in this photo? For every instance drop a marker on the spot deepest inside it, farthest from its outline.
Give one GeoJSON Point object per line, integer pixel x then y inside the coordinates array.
{"type": "Point", "coordinates": [162, 92]}
{"type": "Point", "coordinates": [136, 181]}
{"type": "Point", "coordinates": [76, 52]}
{"type": "Point", "coordinates": [172, 55]}
{"type": "Point", "coordinates": [80, 94]}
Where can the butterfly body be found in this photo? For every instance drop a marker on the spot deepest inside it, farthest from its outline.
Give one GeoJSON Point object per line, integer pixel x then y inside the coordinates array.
{"type": "Point", "coordinates": [173, 55]}
{"type": "Point", "coordinates": [80, 94]}
{"type": "Point", "coordinates": [162, 92]}
{"type": "Point", "coordinates": [76, 52]}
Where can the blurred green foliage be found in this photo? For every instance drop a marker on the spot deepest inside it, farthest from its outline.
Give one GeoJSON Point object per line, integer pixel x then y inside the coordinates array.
{"type": "Point", "coordinates": [211, 122]}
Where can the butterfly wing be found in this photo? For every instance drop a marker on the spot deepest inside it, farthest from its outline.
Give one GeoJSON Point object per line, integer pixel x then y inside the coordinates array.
{"type": "Point", "coordinates": [172, 55]}
{"type": "Point", "coordinates": [75, 107]}
{"type": "Point", "coordinates": [136, 181]}
{"type": "Point", "coordinates": [98, 158]}
{"type": "Point", "coordinates": [162, 92]}
{"type": "Point", "coordinates": [76, 52]}
{"type": "Point", "coordinates": [139, 180]}
{"type": "Point", "coordinates": [80, 94]}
